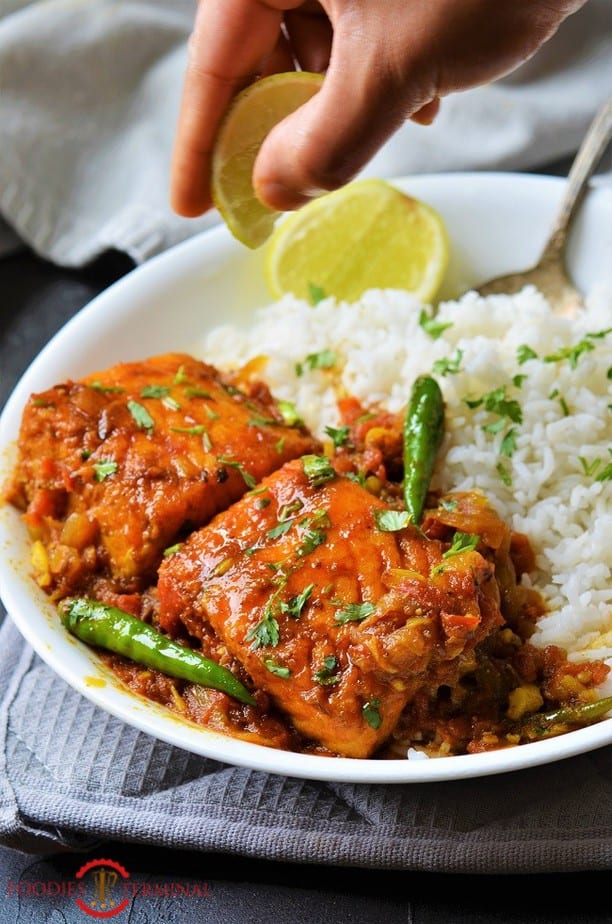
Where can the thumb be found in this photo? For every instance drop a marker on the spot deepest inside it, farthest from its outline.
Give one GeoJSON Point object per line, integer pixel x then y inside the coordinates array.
{"type": "Point", "coordinates": [327, 141]}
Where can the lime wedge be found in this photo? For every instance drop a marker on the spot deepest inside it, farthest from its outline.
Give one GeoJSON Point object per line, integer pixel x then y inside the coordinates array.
{"type": "Point", "coordinates": [366, 235]}
{"type": "Point", "coordinates": [253, 113]}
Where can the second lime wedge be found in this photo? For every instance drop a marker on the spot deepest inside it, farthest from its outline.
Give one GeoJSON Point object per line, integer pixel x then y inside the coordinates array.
{"type": "Point", "coordinates": [366, 235]}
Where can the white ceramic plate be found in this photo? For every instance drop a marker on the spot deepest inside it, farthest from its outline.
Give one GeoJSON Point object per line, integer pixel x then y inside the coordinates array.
{"type": "Point", "coordinates": [497, 223]}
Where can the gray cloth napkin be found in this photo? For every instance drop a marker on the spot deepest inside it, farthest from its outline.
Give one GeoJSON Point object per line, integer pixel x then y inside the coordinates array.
{"type": "Point", "coordinates": [73, 775]}
{"type": "Point", "coordinates": [89, 95]}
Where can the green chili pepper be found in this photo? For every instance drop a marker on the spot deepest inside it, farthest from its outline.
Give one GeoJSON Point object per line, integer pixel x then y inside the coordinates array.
{"type": "Point", "coordinates": [547, 724]}
{"type": "Point", "coordinates": [423, 432]}
{"type": "Point", "coordinates": [109, 627]}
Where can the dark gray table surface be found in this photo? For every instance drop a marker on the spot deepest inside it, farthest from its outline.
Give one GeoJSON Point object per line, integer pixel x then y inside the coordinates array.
{"type": "Point", "coordinates": [37, 299]}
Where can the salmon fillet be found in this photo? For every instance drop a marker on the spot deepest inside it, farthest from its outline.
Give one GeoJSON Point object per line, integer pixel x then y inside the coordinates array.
{"type": "Point", "coordinates": [339, 619]}
{"type": "Point", "coordinates": [115, 468]}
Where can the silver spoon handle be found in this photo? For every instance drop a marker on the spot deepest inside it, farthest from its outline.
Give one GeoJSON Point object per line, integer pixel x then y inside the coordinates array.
{"type": "Point", "coordinates": [589, 154]}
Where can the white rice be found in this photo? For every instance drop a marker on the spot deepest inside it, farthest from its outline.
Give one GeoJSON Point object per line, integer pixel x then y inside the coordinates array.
{"type": "Point", "coordinates": [381, 348]}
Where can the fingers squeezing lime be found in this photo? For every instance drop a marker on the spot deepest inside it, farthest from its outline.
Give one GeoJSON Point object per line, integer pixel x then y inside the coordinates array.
{"type": "Point", "coordinates": [366, 235]}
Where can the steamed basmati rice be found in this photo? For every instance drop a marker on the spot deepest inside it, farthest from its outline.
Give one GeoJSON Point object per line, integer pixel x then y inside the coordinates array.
{"type": "Point", "coordinates": [541, 473]}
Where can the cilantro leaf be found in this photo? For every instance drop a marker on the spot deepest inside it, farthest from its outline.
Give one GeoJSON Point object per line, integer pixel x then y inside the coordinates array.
{"type": "Point", "coordinates": [154, 391]}
{"type": "Point", "coordinates": [508, 443]}
{"type": "Point", "coordinates": [318, 469]}
{"type": "Point", "coordinates": [462, 542]}
{"type": "Point", "coordinates": [143, 419]}
{"type": "Point", "coordinates": [295, 606]}
{"type": "Point", "coordinates": [354, 612]}
{"type": "Point", "coordinates": [316, 294]}
{"type": "Point", "coordinates": [448, 366]}
{"type": "Point", "coordinates": [326, 359]}
{"type": "Point", "coordinates": [265, 632]}
{"type": "Point", "coordinates": [572, 353]}
{"type": "Point", "coordinates": [371, 713]}
{"type": "Point", "coordinates": [524, 353]}
{"type": "Point", "coordinates": [246, 476]}
{"type": "Point", "coordinates": [277, 669]}
{"type": "Point", "coordinates": [339, 436]}
{"type": "Point", "coordinates": [104, 468]}
{"type": "Point", "coordinates": [289, 413]}
{"type": "Point", "coordinates": [433, 328]}
{"type": "Point", "coordinates": [390, 521]}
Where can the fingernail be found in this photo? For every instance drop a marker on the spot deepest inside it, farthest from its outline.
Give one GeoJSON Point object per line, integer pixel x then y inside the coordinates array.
{"type": "Point", "coordinates": [278, 196]}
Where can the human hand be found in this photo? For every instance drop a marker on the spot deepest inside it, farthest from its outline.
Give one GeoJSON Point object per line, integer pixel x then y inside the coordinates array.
{"type": "Point", "coordinates": [385, 62]}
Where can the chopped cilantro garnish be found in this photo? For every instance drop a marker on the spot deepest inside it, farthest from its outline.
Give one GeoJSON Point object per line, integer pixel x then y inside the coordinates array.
{"type": "Point", "coordinates": [114, 389]}
{"type": "Point", "coordinates": [318, 469]}
{"type": "Point", "coordinates": [327, 675]}
{"type": "Point", "coordinates": [140, 414]}
{"type": "Point", "coordinates": [589, 468]}
{"type": "Point", "coordinates": [462, 542]}
{"type": "Point", "coordinates": [358, 477]}
{"type": "Point", "coordinates": [495, 426]}
{"type": "Point", "coordinates": [181, 376]}
{"type": "Point", "coordinates": [433, 328]}
{"type": "Point", "coordinates": [155, 391]}
{"type": "Point", "coordinates": [289, 414]}
{"type": "Point", "coordinates": [285, 517]}
{"type": "Point", "coordinates": [517, 380]}
{"type": "Point", "coordinates": [504, 474]}
{"type": "Point", "coordinates": [354, 612]}
{"type": "Point", "coordinates": [196, 430]}
{"type": "Point", "coordinates": [326, 359]}
{"type": "Point", "coordinates": [369, 415]}
{"type": "Point", "coordinates": [311, 539]}
{"type": "Point", "coordinates": [277, 669]}
{"type": "Point", "coordinates": [295, 606]}
{"type": "Point", "coordinates": [247, 477]}
{"type": "Point", "coordinates": [286, 512]}
{"type": "Point", "coordinates": [508, 443]}
{"type": "Point", "coordinates": [599, 334]}
{"type": "Point", "coordinates": [371, 713]}
{"type": "Point", "coordinates": [448, 504]}
{"type": "Point", "coordinates": [339, 436]}
{"type": "Point", "coordinates": [258, 421]}
{"type": "Point", "coordinates": [280, 529]}
{"type": "Point", "coordinates": [172, 549]}
{"type": "Point", "coordinates": [316, 294]}
{"type": "Point", "coordinates": [572, 354]}
{"type": "Point", "coordinates": [605, 474]}
{"type": "Point", "coordinates": [497, 402]}
{"type": "Point", "coordinates": [313, 535]}
{"type": "Point", "coordinates": [525, 353]}
{"type": "Point", "coordinates": [197, 393]}
{"type": "Point", "coordinates": [390, 521]}
{"type": "Point", "coordinates": [448, 366]}
{"type": "Point", "coordinates": [265, 632]}
{"type": "Point", "coordinates": [104, 468]}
